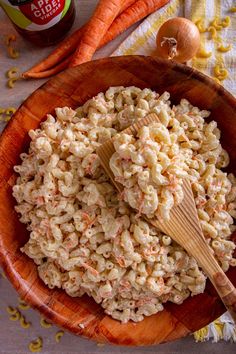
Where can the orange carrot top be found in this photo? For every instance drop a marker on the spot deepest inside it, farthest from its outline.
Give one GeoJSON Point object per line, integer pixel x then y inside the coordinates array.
{"type": "Point", "coordinates": [104, 15]}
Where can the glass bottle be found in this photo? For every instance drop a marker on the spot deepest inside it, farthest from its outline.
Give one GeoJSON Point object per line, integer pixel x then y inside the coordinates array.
{"type": "Point", "coordinates": [43, 22]}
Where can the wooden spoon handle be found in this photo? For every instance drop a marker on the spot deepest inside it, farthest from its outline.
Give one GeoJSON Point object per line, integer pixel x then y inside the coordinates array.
{"type": "Point", "coordinates": [219, 279]}
{"type": "Point", "coordinates": [227, 292]}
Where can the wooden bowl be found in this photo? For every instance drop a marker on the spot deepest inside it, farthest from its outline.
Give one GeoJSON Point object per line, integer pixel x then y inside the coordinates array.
{"type": "Point", "coordinates": [72, 88]}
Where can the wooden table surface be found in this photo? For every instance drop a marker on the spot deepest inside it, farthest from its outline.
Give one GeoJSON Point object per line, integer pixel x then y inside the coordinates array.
{"type": "Point", "coordinates": [13, 338]}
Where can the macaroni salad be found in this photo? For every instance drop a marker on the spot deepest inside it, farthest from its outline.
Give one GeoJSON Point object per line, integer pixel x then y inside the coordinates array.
{"type": "Point", "coordinates": [151, 167]}
{"type": "Point", "coordinates": [85, 238]}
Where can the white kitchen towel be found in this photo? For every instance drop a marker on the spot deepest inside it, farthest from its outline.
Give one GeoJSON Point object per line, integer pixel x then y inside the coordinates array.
{"type": "Point", "coordinates": [217, 22]}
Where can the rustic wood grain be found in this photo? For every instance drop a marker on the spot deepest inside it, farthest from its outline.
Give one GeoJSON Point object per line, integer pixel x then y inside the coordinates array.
{"type": "Point", "coordinates": [73, 88]}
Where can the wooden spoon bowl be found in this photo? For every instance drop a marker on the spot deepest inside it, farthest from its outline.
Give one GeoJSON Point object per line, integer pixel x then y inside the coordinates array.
{"type": "Point", "coordinates": [72, 88]}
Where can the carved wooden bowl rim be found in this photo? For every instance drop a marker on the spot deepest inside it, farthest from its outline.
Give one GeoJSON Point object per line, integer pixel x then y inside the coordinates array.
{"type": "Point", "coordinates": [60, 308]}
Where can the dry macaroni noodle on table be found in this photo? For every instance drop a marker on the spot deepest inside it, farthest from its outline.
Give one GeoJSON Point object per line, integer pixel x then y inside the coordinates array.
{"type": "Point", "coordinates": [6, 113]}
{"type": "Point", "coordinates": [10, 38]}
{"type": "Point", "coordinates": [212, 31]}
{"type": "Point", "coordinates": [11, 310]}
{"type": "Point", "coordinates": [200, 26]}
{"type": "Point", "coordinates": [10, 110]}
{"type": "Point", "coordinates": [44, 323]}
{"type": "Point", "coordinates": [23, 305]}
{"type": "Point", "coordinates": [13, 53]}
{"type": "Point", "coordinates": [11, 73]}
{"type": "Point", "coordinates": [36, 345]}
{"type": "Point", "coordinates": [215, 23]}
{"type": "Point", "coordinates": [58, 336]}
{"type": "Point", "coordinates": [24, 324]}
{"type": "Point", "coordinates": [224, 49]}
{"type": "Point", "coordinates": [202, 53]}
{"type": "Point", "coordinates": [85, 238]}
{"type": "Point", "coordinates": [15, 316]}
{"type": "Point", "coordinates": [220, 72]}
{"type": "Point", "coordinates": [11, 82]}
{"type": "Point", "coordinates": [226, 22]}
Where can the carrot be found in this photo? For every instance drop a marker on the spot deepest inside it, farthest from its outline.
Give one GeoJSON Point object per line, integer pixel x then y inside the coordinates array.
{"type": "Point", "coordinates": [105, 13]}
{"type": "Point", "coordinates": [49, 72]}
{"type": "Point", "coordinates": [66, 47]}
{"type": "Point", "coordinates": [133, 14]}
{"type": "Point", "coordinates": [62, 51]}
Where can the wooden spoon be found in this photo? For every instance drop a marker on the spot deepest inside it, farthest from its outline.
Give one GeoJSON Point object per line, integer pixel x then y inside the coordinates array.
{"type": "Point", "coordinates": [183, 225]}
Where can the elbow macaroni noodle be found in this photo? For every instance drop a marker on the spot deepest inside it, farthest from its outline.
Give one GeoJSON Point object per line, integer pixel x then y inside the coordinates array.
{"type": "Point", "coordinates": [151, 167]}
{"type": "Point", "coordinates": [85, 238]}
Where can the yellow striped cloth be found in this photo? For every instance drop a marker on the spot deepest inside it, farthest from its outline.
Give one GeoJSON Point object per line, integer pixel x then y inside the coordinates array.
{"type": "Point", "coordinates": [217, 22]}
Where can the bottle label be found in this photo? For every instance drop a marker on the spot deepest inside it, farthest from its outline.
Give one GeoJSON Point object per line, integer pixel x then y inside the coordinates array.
{"type": "Point", "coordinates": [35, 15]}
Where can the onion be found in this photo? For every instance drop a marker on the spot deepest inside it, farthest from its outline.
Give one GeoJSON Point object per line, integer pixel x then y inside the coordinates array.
{"type": "Point", "coordinates": [178, 39]}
